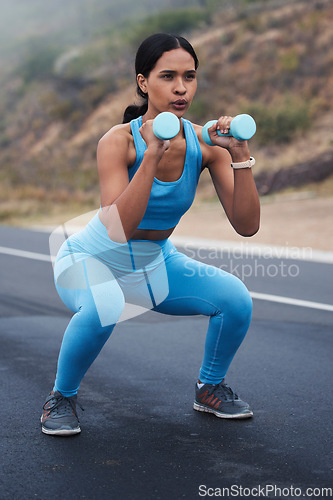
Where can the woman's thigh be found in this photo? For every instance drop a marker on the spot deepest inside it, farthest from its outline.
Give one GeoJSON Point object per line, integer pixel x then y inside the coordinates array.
{"type": "Point", "coordinates": [198, 288]}
{"type": "Point", "coordinates": [87, 285]}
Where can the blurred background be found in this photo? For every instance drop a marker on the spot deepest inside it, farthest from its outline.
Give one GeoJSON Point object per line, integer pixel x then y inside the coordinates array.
{"type": "Point", "coordinates": [67, 74]}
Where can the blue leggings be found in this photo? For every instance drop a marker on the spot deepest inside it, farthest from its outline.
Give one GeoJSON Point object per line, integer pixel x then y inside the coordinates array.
{"type": "Point", "coordinates": [103, 287]}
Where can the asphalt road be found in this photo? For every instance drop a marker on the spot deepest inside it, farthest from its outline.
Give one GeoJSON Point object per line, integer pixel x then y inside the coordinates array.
{"type": "Point", "coordinates": [140, 437]}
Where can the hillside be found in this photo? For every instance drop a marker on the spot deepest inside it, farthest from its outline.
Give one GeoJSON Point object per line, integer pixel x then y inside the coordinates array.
{"type": "Point", "coordinates": [60, 93]}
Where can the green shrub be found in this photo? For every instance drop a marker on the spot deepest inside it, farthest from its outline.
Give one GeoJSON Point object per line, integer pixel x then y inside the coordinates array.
{"type": "Point", "coordinates": [279, 123]}
{"type": "Point", "coordinates": [169, 21]}
{"type": "Point", "coordinates": [39, 61]}
{"type": "Point", "coordinates": [289, 61]}
{"type": "Point", "coordinates": [82, 64]}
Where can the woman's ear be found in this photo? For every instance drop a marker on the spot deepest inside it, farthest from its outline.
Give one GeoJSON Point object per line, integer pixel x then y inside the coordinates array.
{"type": "Point", "coordinates": [142, 82]}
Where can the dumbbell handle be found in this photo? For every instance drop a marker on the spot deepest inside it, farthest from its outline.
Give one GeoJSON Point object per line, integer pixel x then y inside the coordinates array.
{"type": "Point", "coordinates": [242, 127]}
{"type": "Point", "coordinates": [166, 125]}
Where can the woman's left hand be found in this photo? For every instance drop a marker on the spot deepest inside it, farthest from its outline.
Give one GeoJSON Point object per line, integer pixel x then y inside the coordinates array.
{"type": "Point", "coordinates": [223, 125]}
{"type": "Point", "coordinates": [239, 150]}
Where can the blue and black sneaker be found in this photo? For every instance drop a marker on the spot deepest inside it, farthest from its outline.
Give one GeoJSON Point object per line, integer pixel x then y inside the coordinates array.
{"type": "Point", "coordinates": [220, 400]}
{"type": "Point", "coordinates": [59, 416]}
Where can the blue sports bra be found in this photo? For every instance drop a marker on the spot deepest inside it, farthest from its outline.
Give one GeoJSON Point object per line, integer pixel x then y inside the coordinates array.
{"type": "Point", "coordinates": [169, 201]}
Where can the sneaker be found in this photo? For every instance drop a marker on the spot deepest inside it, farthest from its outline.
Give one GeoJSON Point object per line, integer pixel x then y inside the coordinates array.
{"type": "Point", "coordinates": [59, 417]}
{"type": "Point", "coordinates": [220, 400]}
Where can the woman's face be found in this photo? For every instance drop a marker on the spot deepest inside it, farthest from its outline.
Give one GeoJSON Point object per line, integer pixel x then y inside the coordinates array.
{"type": "Point", "coordinates": [171, 85]}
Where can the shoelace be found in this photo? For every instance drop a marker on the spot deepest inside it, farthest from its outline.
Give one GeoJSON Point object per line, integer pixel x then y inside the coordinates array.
{"type": "Point", "coordinates": [224, 390]}
{"type": "Point", "coordinates": [65, 409]}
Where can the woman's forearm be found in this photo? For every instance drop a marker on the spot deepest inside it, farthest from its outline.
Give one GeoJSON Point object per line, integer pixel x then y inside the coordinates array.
{"type": "Point", "coordinates": [246, 205]}
{"type": "Point", "coordinates": [124, 215]}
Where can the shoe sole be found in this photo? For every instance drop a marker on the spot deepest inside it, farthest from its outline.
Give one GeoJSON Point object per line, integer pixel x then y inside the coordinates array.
{"type": "Point", "coordinates": [60, 432]}
{"type": "Point", "coordinates": [206, 409]}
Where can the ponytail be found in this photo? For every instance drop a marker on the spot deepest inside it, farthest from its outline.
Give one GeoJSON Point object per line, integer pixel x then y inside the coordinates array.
{"type": "Point", "coordinates": [134, 111]}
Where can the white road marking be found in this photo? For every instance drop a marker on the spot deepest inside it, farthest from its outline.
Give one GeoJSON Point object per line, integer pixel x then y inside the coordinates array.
{"type": "Point", "coordinates": [255, 295]}
{"type": "Point", "coordinates": [292, 302]}
{"type": "Point", "coordinates": [25, 254]}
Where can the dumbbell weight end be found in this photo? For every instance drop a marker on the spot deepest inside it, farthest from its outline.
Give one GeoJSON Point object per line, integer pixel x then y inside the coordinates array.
{"type": "Point", "coordinates": [166, 125]}
{"type": "Point", "coordinates": [242, 127]}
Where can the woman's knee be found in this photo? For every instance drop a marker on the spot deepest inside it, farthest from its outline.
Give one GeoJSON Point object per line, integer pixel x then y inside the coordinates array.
{"type": "Point", "coordinates": [234, 298]}
{"type": "Point", "coordinates": [95, 307]}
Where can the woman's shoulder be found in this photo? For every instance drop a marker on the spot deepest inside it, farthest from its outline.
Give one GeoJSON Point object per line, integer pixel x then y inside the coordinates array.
{"type": "Point", "coordinates": [197, 129]}
{"type": "Point", "coordinates": [119, 137]}
{"type": "Point", "coordinates": [121, 131]}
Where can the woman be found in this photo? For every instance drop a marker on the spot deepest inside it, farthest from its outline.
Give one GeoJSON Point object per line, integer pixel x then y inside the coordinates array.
{"type": "Point", "coordinates": [124, 254]}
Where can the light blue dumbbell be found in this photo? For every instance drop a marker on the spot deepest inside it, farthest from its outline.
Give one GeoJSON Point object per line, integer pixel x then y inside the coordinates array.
{"type": "Point", "coordinates": [242, 127]}
{"type": "Point", "coordinates": [166, 126]}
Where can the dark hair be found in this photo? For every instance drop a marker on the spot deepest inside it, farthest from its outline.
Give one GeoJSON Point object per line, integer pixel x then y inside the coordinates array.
{"type": "Point", "coordinates": [149, 52]}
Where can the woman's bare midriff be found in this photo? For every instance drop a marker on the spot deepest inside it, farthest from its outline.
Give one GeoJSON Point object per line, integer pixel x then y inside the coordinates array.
{"type": "Point", "coordinates": [152, 234]}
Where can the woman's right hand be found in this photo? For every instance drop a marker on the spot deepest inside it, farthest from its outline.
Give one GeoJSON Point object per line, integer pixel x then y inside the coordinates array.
{"type": "Point", "coordinates": [153, 143]}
